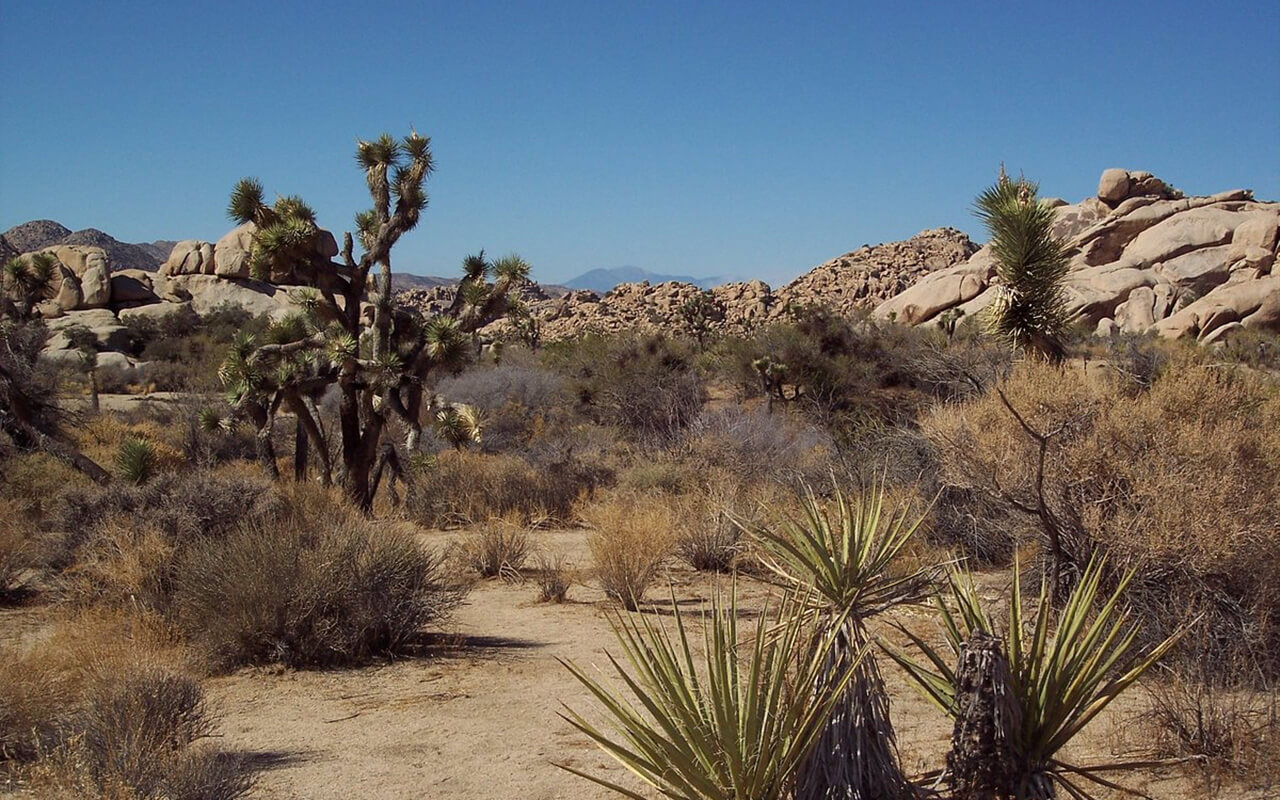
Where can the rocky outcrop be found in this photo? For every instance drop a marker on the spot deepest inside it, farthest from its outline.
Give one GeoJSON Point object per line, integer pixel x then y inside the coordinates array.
{"type": "Point", "coordinates": [36, 235]}
{"type": "Point", "coordinates": [189, 257]}
{"type": "Point", "coordinates": [1143, 258]}
{"type": "Point", "coordinates": [853, 281]}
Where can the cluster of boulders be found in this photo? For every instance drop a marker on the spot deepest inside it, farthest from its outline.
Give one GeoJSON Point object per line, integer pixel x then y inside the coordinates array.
{"type": "Point", "coordinates": [859, 279]}
{"type": "Point", "coordinates": [1142, 258]}
{"type": "Point", "coordinates": [197, 277]}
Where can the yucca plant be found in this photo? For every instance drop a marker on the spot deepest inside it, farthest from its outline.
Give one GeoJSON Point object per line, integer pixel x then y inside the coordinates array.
{"type": "Point", "coordinates": [460, 424]}
{"type": "Point", "coordinates": [847, 560]}
{"type": "Point", "coordinates": [734, 724]}
{"type": "Point", "coordinates": [1031, 262]}
{"type": "Point", "coordinates": [1064, 668]}
{"type": "Point", "coordinates": [136, 460]}
{"type": "Point", "coordinates": [28, 280]}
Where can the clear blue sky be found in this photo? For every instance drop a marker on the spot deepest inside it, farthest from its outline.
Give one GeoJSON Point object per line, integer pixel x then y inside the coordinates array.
{"type": "Point", "coordinates": [748, 138]}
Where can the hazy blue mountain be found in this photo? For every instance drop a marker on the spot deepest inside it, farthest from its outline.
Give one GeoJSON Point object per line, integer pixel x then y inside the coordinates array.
{"type": "Point", "coordinates": [602, 280]}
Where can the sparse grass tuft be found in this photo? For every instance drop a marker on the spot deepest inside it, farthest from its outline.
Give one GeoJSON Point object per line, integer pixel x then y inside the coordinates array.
{"type": "Point", "coordinates": [499, 548]}
{"type": "Point", "coordinates": [631, 539]}
{"type": "Point", "coordinates": [555, 575]}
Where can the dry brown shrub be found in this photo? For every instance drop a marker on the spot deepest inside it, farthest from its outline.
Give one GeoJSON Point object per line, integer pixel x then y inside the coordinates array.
{"type": "Point", "coordinates": [499, 548]}
{"type": "Point", "coordinates": [18, 551]}
{"type": "Point", "coordinates": [555, 574]}
{"type": "Point", "coordinates": [107, 706]}
{"type": "Point", "coordinates": [1232, 734]}
{"type": "Point", "coordinates": [462, 488]}
{"type": "Point", "coordinates": [102, 436]}
{"type": "Point", "coordinates": [32, 482]}
{"type": "Point", "coordinates": [631, 538]}
{"type": "Point", "coordinates": [1179, 480]}
{"type": "Point", "coordinates": [313, 584]}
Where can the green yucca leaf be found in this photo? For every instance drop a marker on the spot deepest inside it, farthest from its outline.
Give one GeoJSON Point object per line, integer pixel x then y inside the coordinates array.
{"type": "Point", "coordinates": [136, 460]}
{"type": "Point", "coordinates": [845, 556]}
{"type": "Point", "coordinates": [342, 345]}
{"type": "Point", "coordinates": [512, 268]}
{"type": "Point", "coordinates": [734, 723]}
{"type": "Point", "coordinates": [418, 148]}
{"type": "Point", "coordinates": [246, 200]}
{"type": "Point", "coordinates": [1031, 262]}
{"type": "Point", "coordinates": [459, 424]}
{"type": "Point", "coordinates": [211, 421]}
{"type": "Point", "coordinates": [475, 267]}
{"type": "Point", "coordinates": [1066, 667]}
{"type": "Point", "coordinates": [382, 152]}
{"type": "Point", "coordinates": [293, 207]}
{"type": "Point", "coordinates": [474, 293]}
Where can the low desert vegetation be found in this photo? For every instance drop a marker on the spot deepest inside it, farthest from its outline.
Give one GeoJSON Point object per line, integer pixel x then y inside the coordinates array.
{"type": "Point", "coordinates": [107, 706]}
{"type": "Point", "coordinates": [631, 539]}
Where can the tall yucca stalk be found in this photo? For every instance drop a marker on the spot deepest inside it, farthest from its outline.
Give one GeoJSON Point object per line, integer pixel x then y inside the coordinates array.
{"type": "Point", "coordinates": [735, 724]}
{"type": "Point", "coordinates": [1031, 262]}
{"type": "Point", "coordinates": [846, 559]}
{"type": "Point", "coordinates": [1064, 668]}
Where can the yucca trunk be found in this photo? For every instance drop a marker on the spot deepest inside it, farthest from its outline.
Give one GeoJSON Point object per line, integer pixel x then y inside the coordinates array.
{"type": "Point", "coordinates": [857, 756]}
{"type": "Point", "coordinates": [983, 762]}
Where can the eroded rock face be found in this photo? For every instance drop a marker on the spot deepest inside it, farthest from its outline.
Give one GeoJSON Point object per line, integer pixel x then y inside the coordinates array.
{"type": "Point", "coordinates": [1143, 258]}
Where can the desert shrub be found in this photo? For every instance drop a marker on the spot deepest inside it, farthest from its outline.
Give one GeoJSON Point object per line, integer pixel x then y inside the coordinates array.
{"type": "Point", "coordinates": [1179, 481]}
{"type": "Point", "coordinates": [647, 386]}
{"type": "Point", "coordinates": [313, 584]}
{"type": "Point", "coordinates": [554, 577]}
{"type": "Point", "coordinates": [463, 487]}
{"type": "Point", "coordinates": [844, 373]}
{"type": "Point", "coordinates": [209, 439]}
{"type": "Point", "coordinates": [183, 350]}
{"type": "Point", "coordinates": [17, 550]}
{"type": "Point", "coordinates": [136, 461]}
{"type": "Point", "coordinates": [1252, 346]}
{"type": "Point", "coordinates": [498, 548]}
{"type": "Point", "coordinates": [630, 539]}
{"type": "Point", "coordinates": [520, 403]}
{"type": "Point", "coordinates": [131, 732]}
{"type": "Point", "coordinates": [1233, 734]}
{"type": "Point", "coordinates": [709, 534]}
{"type": "Point", "coordinates": [753, 446]}
{"type": "Point", "coordinates": [33, 482]}
{"type": "Point", "coordinates": [182, 506]}
{"type": "Point", "coordinates": [664, 475]}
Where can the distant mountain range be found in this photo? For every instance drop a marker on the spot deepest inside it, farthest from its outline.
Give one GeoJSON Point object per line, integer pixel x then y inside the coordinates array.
{"type": "Point", "coordinates": [602, 280]}
{"type": "Point", "coordinates": [41, 233]}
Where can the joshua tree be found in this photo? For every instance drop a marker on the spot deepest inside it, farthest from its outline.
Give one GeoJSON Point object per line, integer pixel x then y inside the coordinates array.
{"type": "Point", "coordinates": [27, 280]}
{"type": "Point", "coordinates": [698, 313]}
{"type": "Point", "coordinates": [1030, 261]}
{"type": "Point", "coordinates": [347, 333]}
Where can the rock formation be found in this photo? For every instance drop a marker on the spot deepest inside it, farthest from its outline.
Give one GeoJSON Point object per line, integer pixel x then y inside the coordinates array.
{"type": "Point", "coordinates": [855, 280]}
{"type": "Point", "coordinates": [1143, 258]}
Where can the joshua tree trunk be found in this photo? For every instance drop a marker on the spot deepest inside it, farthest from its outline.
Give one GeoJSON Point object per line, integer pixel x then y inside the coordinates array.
{"type": "Point", "coordinates": [299, 451]}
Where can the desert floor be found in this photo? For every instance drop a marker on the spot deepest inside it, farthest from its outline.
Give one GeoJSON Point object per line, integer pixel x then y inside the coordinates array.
{"type": "Point", "coordinates": [476, 717]}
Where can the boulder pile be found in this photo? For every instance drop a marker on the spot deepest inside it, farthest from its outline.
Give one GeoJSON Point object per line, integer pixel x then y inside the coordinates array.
{"type": "Point", "coordinates": [1144, 258]}
{"type": "Point", "coordinates": [856, 280]}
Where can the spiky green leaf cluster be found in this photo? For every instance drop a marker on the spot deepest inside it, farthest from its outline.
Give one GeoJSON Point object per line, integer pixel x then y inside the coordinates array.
{"type": "Point", "coordinates": [246, 204]}
{"type": "Point", "coordinates": [1066, 667]}
{"type": "Point", "coordinates": [845, 555]}
{"type": "Point", "coordinates": [723, 725]}
{"type": "Point", "coordinates": [1031, 262]}
{"type": "Point", "coordinates": [136, 461]}
{"type": "Point", "coordinates": [459, 424]}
